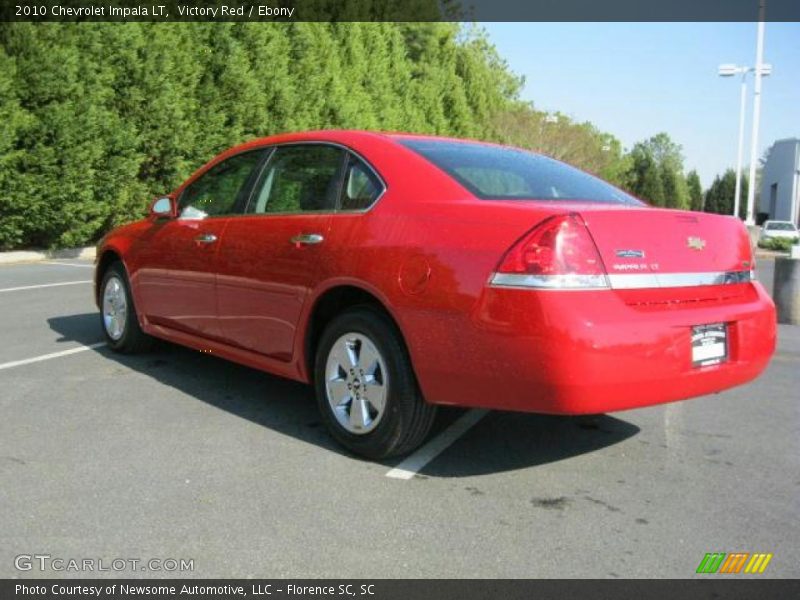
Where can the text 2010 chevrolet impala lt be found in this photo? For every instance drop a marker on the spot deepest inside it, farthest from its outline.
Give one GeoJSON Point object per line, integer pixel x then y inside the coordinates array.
{"type": "Point", "coordinates": [400, 272]}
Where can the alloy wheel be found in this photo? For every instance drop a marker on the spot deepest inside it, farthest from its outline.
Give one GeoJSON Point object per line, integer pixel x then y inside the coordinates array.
{"type": "Point", "coordinates": [356, 382]}
{"type": "Point", "coordinates": [115, 308]}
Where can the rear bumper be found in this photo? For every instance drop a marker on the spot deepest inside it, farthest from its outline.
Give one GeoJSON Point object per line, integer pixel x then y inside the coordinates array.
{"type": "Point", "coordinates": [584, 352]}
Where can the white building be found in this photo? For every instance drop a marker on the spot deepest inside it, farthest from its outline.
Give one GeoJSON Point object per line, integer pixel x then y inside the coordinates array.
{"type": "Point", "coordinates": [780, 181]}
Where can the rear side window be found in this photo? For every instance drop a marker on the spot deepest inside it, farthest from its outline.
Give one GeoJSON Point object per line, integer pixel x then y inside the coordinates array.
{"type": "Point", "coordinates": [216, 191]}
{"type": "Point", "coordinates": [361, 186]}
{"type": "Point", "coordinates": [303, 178]}
{"type": "Point", "coordinates": [502, 173]}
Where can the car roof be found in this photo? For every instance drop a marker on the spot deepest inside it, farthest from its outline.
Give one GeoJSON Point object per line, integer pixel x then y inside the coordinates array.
{"type": "Point", "coordinates": [358, 140]}
{"type": "Point", "coordinates": [344, 136]}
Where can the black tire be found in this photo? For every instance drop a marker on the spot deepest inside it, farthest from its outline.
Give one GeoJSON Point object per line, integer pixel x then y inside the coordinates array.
{"type": "Point", "coordinates": [406, 418]}
{"type": "Point", "coordinates": [132, 339]}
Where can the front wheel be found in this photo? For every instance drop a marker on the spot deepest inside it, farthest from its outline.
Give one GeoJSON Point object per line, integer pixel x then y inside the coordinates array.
{"type": "Point", "coordinates": [366, 388]}
{"type": "Point", "coordinates": [120, 323]}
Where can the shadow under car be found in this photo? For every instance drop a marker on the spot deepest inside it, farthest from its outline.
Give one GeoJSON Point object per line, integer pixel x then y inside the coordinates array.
{"type": "Point", "coordinates": [501, 441]}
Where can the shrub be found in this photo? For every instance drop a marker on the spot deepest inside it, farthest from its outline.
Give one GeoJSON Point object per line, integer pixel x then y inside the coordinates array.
{"type": "Point", "coordinates": [779, 244]}
{"type": "Point", "coordinates": [97, 118]}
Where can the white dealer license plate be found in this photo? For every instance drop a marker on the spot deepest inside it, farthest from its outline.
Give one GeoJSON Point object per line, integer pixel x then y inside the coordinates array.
{"type": "Point", "coordinates": [709, 344]}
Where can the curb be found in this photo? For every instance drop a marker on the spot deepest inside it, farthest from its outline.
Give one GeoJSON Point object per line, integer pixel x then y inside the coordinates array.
{"type": "Point", "coordinates": [761, 253]}
{"type": "Point", "coordinates": [23, 256]}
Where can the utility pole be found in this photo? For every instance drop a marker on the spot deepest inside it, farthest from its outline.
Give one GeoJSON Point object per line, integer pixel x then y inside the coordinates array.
{"type": "Point", "coordinates": [751, 187]}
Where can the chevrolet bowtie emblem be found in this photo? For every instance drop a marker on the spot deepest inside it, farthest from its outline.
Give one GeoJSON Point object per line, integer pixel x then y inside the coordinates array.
{"type": "Point", "coordinates": [630, 253]}
{"type": "Point", "coordinates": [695, 243]}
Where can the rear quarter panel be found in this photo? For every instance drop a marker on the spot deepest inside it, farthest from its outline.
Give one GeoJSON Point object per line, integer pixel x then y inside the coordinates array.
{"type": "Point", "coordinates": [426, 250]}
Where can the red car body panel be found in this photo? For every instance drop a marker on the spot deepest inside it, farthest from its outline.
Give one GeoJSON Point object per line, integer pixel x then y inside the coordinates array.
{"type": "Point", "coordinates": [175, 278]}
{"type": "Point", "coordinates": [426, 251]}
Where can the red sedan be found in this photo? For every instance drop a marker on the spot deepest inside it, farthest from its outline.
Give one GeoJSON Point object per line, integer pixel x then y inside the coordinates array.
{"type": "Point", "coordinates": [400, 272]}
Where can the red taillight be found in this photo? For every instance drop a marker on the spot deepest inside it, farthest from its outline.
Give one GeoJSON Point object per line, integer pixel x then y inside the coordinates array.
{"type": "Point", "coordinates": [557, 253]}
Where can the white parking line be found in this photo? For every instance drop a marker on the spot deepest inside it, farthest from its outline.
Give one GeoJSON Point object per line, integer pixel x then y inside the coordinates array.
{"type": "Point", "coordinates": [35, 359]}
{"type": "Point", "coordinates": [415, 462]}
{"type": "Point", "coordinates": [63, 264]}
{"type": "Point", "coordinates": [44, 285]}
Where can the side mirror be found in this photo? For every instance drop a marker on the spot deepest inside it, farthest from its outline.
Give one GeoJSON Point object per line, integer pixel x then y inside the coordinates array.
{"type": "Point", "coordinates": [162, 207]}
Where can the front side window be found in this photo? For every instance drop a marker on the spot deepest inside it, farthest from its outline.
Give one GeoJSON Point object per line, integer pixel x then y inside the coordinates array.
{"type": "Point", "coordinates": [503, 173]}
{"type": "Point", "coordinates": [302, 178]}
{"type": "Point", "coordinates": [216, 191]}
{"type": "Point", "coordinates": [361, 186]}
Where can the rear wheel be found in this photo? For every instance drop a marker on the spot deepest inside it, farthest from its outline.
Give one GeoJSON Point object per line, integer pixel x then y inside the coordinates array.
{"type": "Point", "coordinates": [366, 388]}
{"type": "Point", "coordinates": [120, 322]}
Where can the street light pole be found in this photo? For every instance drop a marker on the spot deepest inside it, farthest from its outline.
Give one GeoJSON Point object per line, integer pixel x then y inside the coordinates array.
{"type": "Point", "coordinates": [729, 70]}
{"type": "Point", "coordinates": [742, 104]}
{"type": "Point", "coordinates": [751, 187]}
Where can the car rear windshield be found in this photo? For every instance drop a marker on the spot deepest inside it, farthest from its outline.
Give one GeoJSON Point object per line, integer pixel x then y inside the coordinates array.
{"type": "Point", "coordinates": [503, 173]}
{"type": "Point", "coordinates": [780, 227]}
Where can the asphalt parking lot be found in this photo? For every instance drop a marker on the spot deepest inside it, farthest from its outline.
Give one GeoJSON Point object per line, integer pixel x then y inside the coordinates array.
{"type": "Point", "coordinates": [178, 454]}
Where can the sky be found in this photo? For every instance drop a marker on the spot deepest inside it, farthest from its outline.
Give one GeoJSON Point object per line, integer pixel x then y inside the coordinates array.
{"type": "Point", "coordinates": [634, 80]}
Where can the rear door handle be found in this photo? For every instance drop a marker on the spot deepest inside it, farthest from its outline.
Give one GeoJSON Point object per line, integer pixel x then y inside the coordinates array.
{"type": "Point", "coordinates": [206, 238]}
{"type": "Point", "coordinates": [307, 239]}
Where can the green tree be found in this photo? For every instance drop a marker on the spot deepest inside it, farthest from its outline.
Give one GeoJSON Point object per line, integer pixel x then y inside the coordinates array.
{"type": "Point", "coordinates": [644, 176]}
{"type": "Point", "coordinates": [651, 184]}
{"type": "Point", "coordinates": [74, 151]}
{"type": "Point", "coordinates": [676, 192]}
{"type": "Point", "coordinates": [487, 82]}
{"type": "Point", "coordinates": [695, 190]}
{"type": "Point", "coordinates": [658, 158]}
{"type": "Point", "coordinates": [720, 196]}
{"type": "Point", "coordinates": [664, 150]}
{"type": "Point", "coordinates": [268, 49]}
{"type": "Point", "coordinates": [13, 122]}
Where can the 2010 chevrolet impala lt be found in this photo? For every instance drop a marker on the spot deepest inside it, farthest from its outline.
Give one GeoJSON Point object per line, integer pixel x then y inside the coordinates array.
{"type": "Point", "coordinates": [400, 272]}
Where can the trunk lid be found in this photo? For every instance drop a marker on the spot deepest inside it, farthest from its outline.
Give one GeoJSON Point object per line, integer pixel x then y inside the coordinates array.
{"type": "Point", "coordinates": [667, 243]}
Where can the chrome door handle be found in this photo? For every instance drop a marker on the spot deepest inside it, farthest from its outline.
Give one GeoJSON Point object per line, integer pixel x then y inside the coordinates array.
{"type": "Point", "coordinates": [206, 238]}
{"type": "Point", "coordinates": [307, 239]}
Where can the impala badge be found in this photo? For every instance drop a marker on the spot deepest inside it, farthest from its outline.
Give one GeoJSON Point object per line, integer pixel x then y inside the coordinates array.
{"type": "Point", "coordinates": [630, 253]}
{"type": "Point", "coordinates": [695, 243]}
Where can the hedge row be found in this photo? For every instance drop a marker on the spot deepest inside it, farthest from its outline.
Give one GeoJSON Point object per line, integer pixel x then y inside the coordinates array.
{"type": "Point", "coordinates": [97, 118]}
